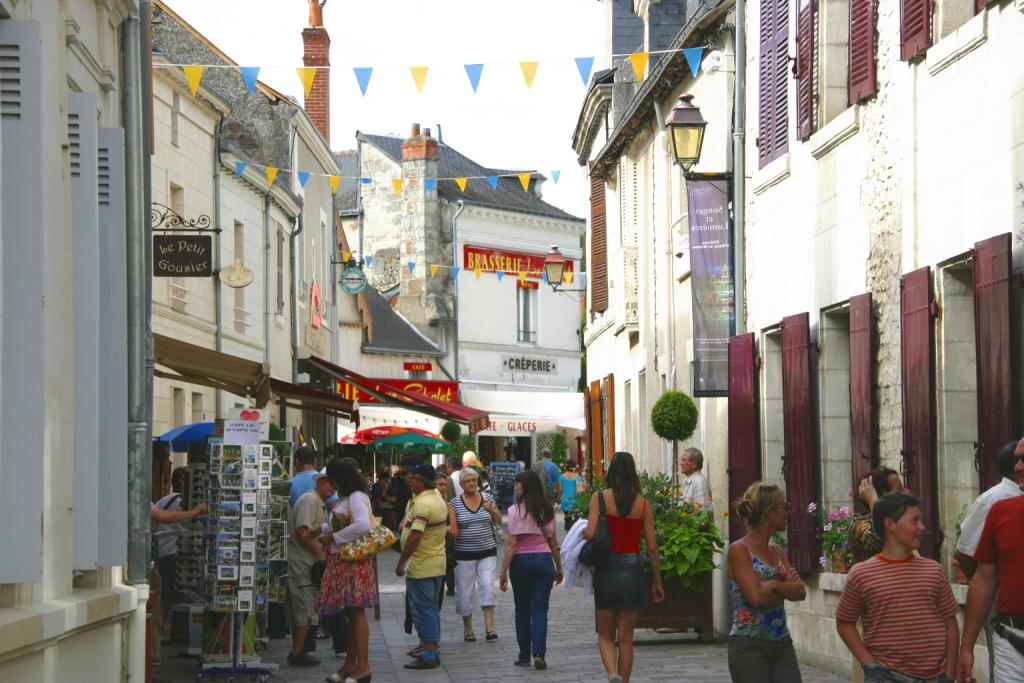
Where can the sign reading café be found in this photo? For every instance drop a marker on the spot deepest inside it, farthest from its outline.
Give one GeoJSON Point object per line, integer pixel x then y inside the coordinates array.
{"type": "Point", "coordinates": [441, 391]}
{"type": "Point", "coordinates": [490, 260]}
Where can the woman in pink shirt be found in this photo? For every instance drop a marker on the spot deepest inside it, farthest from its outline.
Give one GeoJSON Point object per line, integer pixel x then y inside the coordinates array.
{"type": "Point", "coordinates": [532, 557]}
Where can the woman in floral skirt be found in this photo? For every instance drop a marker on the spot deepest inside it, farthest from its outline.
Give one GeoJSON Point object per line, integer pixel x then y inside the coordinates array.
{"type": "Point", "coordinates": [349, 586]}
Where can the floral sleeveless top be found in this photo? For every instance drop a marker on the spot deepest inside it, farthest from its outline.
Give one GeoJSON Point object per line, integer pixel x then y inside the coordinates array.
{"type": "Point", "coordinates": [766, 623]}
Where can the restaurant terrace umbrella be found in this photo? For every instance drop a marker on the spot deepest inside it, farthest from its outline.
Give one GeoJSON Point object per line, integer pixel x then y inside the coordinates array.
{"type": "Point", "coordinates": [181, 437]}
{"type": "Point", "coordinates": [411, 440]}
{"type": "Point", "coordinates": [371, 434]}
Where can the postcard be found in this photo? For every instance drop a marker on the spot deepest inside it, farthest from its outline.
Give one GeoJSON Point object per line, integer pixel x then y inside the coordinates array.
{"type": "Point", "coordinates": [264, 481]}
{"type": "Point", "coordinates": [244, 601]}
{"type": "Point", "coordinates": [227, 572]}
{"type": "Point", "coordinates": [249, 528]}
{"type": "Point", "coordinates": [246, 575]}
{"type": "Point", "coordinates": [248, 552]}
{"type": "Point", "coordinates": [249, 479]}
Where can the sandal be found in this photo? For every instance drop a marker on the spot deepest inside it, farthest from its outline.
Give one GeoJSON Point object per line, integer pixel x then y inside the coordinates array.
{"type": "Point", "coordinates": [469, 637]}
{"type": "Point", "coordinates": [491, 634]}
{"type": "Point", "coordinates": [415, 652]}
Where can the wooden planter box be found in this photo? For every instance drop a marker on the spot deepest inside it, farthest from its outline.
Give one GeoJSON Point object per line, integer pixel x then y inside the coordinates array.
{"type": "Point", "coordinates": [681, 609]}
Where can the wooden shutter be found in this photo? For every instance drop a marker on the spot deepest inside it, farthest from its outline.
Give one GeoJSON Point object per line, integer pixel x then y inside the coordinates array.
{"type": "Point", "coordinates": [862, 382]}
{"type": "Point", "coordinates": [800, 462]}
{"type": "Point", "coordinates": [773, 71]}
{"type": "Point", "coordinates": [993, 264]}
{"type": "Point", "coordinates": [609, 414]}
{"type": "Point", "coordinates": [744, 454]}
{"type": "Point", "coordinates": [915, 27]}
{"type": "Point", "coordinates": [22, 205]}
{"type": "Point", "coordinates": [598, 247]}
{"type": "Point", "coordinates": [595, 430]}
{"type": "Point", "coordinates": [980, 5]}
{"type": "Point", "coordinates": [806, 47]}
{"type": "Point", "coordinates": [918, 467]}
{"type": "Point", "coordinates": [861, 81]}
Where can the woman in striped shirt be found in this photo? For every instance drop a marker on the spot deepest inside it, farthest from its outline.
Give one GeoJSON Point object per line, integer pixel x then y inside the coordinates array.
{"type": "Point", "coordinates": [471, 519]}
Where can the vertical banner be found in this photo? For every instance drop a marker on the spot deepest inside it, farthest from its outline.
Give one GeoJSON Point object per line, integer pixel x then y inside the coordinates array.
{"type": "Point", "coordinates": [712, 283]}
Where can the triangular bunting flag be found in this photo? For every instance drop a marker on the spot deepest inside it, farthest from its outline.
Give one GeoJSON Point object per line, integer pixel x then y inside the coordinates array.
{"type": "Point", "coordinates": [307, 74]}
{"type": "Point", "coordinates": [474, 71]}
{"type": "Point", "coordinates": [585, 66]}
{"type": "Point", "coordinates": [366, 181]}
{"type": "Point", "coordinates": [249, 75]}
{"type": "Point", "coordinates": [493, 180]}
{"type": "Point", "coordinates": [544, 276]}
{"type": "Point", "coordinates": [455, 271]}
{"type": "Point", "coordinates": [522, 276]}
{"type": "Point", "coordinates": [430, 184]}
{"type": "Point", "coordinates": [419, 75]}
{"type": "Point", "coordinates": [303, 178]}
{"type": "Point", "coordinates": [529, 72]}
{"type": "Point", "coordinates": [363, 74]}
{"type": "Point", "coordinates": [433, 270]}
{"type": "Point", "coordinates": [461, 182]}
{"type": "Point", "coordinates": [555, 175]}
{"type": "Point", "coordinates": [346, 255]}
{"type": "Point", "coordinates": [335, 181]}
{"type": "Point", "coordinates": [500, 274]}
{"type": "Point", "coordinates": [693, 56]}
{"type": "Point", "coordinates": [411, 266]}
{"type": "Point", "coordinates": [240, 167]}
{"type": "Point", "coordinates": [477, 271]}
{"type": "Point", "coordinates": [398, 183]}
{"type": "Point", "coordinates": [271, 174]}
{"type": "Point", "coordinates": [524, 178]}
{"type": "Point", "coordinates": [639, 62]}
{"type": "Point", "coordinates": [392, 261]}
{"type": "Point", "coordinates": [369, 261]}
{"type": "Point", "coordinates": [193, 74]}
{"type": "Point", "coordinates": [567, 276]}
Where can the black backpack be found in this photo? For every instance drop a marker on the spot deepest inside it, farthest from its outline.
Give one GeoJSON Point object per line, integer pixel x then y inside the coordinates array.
{"type": "Point", "coordinates": [598, 550]}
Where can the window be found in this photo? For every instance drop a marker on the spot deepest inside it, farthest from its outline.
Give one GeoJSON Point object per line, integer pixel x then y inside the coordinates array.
{"type": "Point", "coordinates": [239, 259]}
{"type": "Point", "coordinates": [627, 416]}
{"type": "Point", "coordinates": [915, 27]}
{"type": "Point", "coordinates": [175, 115]}
{"type": "Point", "coordinates": [527, 306]}
{"type": "Point", "coordinates": [280, 269]}
{"type": "Point", "coordinates": [177, 406]}
{"type": "Point", "coordinates": [835, 59]}
{"type": "Point", "coordinates": [177, 288]}
{"type": "Point", "coordinates": [197, 407]}
{"type": "Point", "coordinates": [773, 81]}
{"type": "Point", "coordinates": [641, 390]}
{"type": "Point", "coordinates": [599, 246]}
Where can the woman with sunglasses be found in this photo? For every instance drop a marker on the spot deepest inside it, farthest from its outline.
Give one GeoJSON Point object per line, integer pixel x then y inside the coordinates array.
{"type": "Point", "coordinates": [761, 579]}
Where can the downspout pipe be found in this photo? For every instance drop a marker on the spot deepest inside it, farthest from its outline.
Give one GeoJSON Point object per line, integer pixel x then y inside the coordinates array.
{"type": "Point", "coordinates": [455, 299]}
{"type": "Point", "coordinates": [139, 461]}
{"type": "Point", "coordinates": [739, 164]}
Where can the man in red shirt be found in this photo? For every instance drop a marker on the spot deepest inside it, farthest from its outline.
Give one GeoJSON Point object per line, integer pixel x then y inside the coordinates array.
{"type": "Point", "coordinates": [1000, 557]}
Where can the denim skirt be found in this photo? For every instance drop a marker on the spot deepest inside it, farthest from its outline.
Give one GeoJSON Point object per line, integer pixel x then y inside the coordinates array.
{"type": "Point", "coordinates": [620, 583]}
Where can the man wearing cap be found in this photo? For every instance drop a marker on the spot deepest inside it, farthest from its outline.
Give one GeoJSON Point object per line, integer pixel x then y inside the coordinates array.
{"type": "Point", "coordinates": [423, 561]}
{"type": "Point", "coordinates": [305, 518]}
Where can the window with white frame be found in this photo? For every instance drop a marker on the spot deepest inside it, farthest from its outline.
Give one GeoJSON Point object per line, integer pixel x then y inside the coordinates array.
{"type": "Point", "coordinates": [526, 300]}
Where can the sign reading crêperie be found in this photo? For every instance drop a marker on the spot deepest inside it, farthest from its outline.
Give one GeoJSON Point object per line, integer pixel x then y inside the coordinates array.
{"type": "Point", "coordinates": [490, 260]}
{"type": "Point", "coordinates": [543, 366]}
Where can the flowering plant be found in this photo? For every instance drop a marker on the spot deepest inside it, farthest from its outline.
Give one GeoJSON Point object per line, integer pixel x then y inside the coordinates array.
{"type": "Point", "coordinates": [834, 534]}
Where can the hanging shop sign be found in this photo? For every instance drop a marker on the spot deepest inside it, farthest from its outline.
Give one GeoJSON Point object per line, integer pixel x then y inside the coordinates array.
{"type": "Point", "coordinates": [541, 366]}
{"type": "Point", "coordinates": [316, 306]}
{"type": "Point", "coordinates": [353, 280]}
{"type": "Point", "coordinates": [712, 283]}
{"type": "Point", "coordinates": [417, 367]}
{"type": "Point", "coordinates": [435, 389]}
{"type": "Point", "coordinates": [181, 249]}
{"type": "Point", "coordinates": [489, 260]}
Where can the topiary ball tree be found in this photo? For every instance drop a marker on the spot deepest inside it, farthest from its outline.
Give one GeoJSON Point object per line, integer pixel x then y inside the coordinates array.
{"type": "Point", "coordinates": [451, 431]}
{"type": "Point", "coordinates": [674, 416]}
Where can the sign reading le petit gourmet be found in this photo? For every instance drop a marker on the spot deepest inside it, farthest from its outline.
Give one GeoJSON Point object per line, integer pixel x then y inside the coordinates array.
{"type": "Point", "coordinates": [182, 256]}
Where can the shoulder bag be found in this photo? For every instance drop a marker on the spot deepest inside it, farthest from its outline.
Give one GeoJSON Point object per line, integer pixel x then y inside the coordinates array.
{"type": "Point", "coordinates": [598, 550]}
{"type": "Point", "coordinates": [377, 539]}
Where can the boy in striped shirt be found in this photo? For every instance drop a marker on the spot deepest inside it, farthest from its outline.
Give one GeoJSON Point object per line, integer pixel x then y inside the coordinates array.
{"type": "Point", "coordinates": [903, 600]}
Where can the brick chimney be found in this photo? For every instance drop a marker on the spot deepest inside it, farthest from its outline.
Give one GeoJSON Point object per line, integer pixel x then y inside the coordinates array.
{"type": "Point", "coordinates": [419, 145]}
{"type": "Point", "coordinates": [316, 52]}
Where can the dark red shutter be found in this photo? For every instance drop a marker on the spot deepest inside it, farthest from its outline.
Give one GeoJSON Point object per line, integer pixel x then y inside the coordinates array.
{"type": "Point", "coordinates": [804, 67]}
{"type": "Point", "coordinates": [595, 430]}
{"type": "Point", "coordinates": [993, 264]}
{"type": "Point", "coordinates": [861, 81]}
{"type": "Point", "coordinates": [773, 65]}
{"type": "Point", "coordinates": [918, 350]}
{"type": "Point", "coordinates": [862, 383]}
{"type": "Point", "coordinates": [915, 27]}
{"type": "Point", "coordinates": [598, 248]}
{"type": "Point", "coordinates": [980, 5]}
{"type": "Point", "coordinates": [800, 461]}
{"type": "Point", "coordinates": [744, 455]}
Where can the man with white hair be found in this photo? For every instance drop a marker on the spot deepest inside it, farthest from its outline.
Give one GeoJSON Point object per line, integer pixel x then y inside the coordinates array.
{"type": "Point", "coordinates": [696, 486]}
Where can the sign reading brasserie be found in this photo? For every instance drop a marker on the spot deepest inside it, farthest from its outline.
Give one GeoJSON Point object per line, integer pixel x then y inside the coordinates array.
{"type": "Point", "coordinates": [441, 391]}
{"type": "Point", "coordinates": [490, 260]}
{"type": "Point", "coordinates": [182, 256]}
{"type": "Point", "coordinates": [544, 366]}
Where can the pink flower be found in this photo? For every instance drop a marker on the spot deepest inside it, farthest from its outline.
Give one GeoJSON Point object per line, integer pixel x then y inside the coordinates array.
{"type": "Point", "coordinates": [833, 515]}
{"type": "Point", "coordinates": [844, 511]}
{"type": "Point", "coordinates": [828, 527]}
{"type": "Point", "coordinates": [821, 561]}
{"type": "Point", "coordinates": [811, 507]}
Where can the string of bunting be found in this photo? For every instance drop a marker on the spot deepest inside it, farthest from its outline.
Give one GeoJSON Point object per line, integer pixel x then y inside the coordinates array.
{"type": "Point", "coordinates": [474, 72]}
{"type": "Point", "coordinates": [521, 276]}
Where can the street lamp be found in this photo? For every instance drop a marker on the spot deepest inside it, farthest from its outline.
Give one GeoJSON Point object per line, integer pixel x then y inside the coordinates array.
{"type": "Point", "coordinates": [554, 269]}
{"type": "Point", "coordinates": [687, 126]}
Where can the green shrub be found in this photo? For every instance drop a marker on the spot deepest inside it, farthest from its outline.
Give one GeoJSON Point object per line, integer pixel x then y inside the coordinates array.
{"type": "Point", "coordinates": [451, 431]}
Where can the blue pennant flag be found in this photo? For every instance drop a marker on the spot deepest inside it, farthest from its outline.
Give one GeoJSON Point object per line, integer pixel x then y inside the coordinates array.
{"type": "Point", "coordinates": [249, 75]}
{"type": "Point", "coordinates": [430, 184]}
{"type": "Point", "coordinates": [369, 261]}
{"type": "Point", "coordinates": [455, 271]}
{"type": "Point", "coordinates": [412, 266]}
{"type": "Point", "coordinates": [544, 276]}
{"type": "Point", "coordinates": [555, 175]}
{"type": "Point", "coordinates": [303, 178]}
{"type": "Point", "coordinates": [500, 274]}
{"type": "Point", "coordinates": [240, 167]}
{"type": "Point", "coordinates": [474, 71]}
{"type": "Point", "coordinates": [493, 180]}
{"type": "Point", "coordinates": [693, 56]}
{"type": "Point", "coordinates": [585, 65]}
{"type": "Point", "coordinates": [363, 74]}
{"type": "Point", "coordinates": [366, 181]}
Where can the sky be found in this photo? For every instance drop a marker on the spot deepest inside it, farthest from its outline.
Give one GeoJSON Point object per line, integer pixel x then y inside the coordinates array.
{"type": "Point", "coordinates": [504, 125]}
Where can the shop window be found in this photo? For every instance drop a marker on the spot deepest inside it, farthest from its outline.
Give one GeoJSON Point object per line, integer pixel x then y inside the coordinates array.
{"type": "Point", "coordinates": [526, 300]}
{"type": "Point", "coordinates": [772, 427]}
{"type": "Point", "coordinates": [834, 372]}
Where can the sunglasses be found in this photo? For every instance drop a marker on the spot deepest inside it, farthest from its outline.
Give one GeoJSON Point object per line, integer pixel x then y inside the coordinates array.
{"type": "Point", "coordinates": [1018, 458]}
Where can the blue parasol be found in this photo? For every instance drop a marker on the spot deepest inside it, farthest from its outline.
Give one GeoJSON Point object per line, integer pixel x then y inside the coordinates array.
{"type": "Point", "coordinates": [181, 437]}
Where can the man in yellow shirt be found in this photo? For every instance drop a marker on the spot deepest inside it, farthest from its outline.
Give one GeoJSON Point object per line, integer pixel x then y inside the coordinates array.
{"type": "Point", "coordinates": [423, 561]}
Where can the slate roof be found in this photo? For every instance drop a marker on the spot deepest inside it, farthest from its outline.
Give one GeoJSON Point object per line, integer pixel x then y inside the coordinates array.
{"type": "Point", "coordinates": [452, 164]}
{"type": "Point", "coordinates": [391, 332]}
{"type": "Point", "coordinates": [345, 198]}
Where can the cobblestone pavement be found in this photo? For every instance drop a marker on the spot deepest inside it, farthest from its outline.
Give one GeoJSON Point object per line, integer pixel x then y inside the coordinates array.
{"type": "Point", "coordinates": [571, 654]}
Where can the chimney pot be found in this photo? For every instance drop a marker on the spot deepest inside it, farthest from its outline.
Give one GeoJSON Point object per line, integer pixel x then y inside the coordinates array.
{"type": "Point", "coordinates": [426, 132]}
{"type": "Point", "coordinates": [415, 130]}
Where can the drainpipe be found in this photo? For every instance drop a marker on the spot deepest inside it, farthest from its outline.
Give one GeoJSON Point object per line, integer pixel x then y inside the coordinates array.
{"type": "Point", "coordinates": [139, 464]}
{"type": "Point", "coordinates": [455, 300]}
{"type": "Point", "coordinates": [267, 299]}
{"type": "Point", "coordinates": [218, 294]}
{"type": "Point", "coordinates": [739, 163]}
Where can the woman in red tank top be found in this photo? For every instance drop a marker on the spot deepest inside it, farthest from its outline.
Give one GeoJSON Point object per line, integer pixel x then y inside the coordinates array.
{"type": "Point", "coordinates": [620, 586]}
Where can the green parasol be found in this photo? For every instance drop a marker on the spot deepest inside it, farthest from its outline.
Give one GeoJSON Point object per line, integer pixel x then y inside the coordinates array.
{"type": "Point", "coordinates": [410, 440]}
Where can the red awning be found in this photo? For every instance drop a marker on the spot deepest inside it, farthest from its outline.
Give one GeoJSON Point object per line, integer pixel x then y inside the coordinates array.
{"type": "Point", "coordinates": [319, 401]}
{"type": "Point", "coordinates": [476, 420]}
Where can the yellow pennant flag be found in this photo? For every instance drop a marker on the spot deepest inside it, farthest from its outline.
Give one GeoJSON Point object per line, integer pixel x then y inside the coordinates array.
{"type": "Point", "coordinates": [271, 174]}
{"type": "Point", "coordinates": [529, 72]}
{"type": "Point", "coordinates": [398, 183]}
{"type": "Point", "coordinates": [433, 270]}
{"type": "Point", "coordinates": [477, 271]}
{"type": "Point", "coordinates": [419, 75]}
{"type": "Point", "coordinates": [392, 261]}
{"type": "Point", "coordinates": [639, 62]}
{"type": "Point", "coordinates": [335, 181]}
{"type": "Point", "coordinates": [524, 178]}
{"type": "Point", "coordinates": [193, 74]}
{"type": "Point", "coordinates": [522, 276]}
{"type": "Point", "coordinates": [461, 182]}
{"type": "Point", "coordinates": [346, 255]}
{"type": "Point", "coordinates": [567, 276]}
{"type": "Point", "coordinates": [307, 74]}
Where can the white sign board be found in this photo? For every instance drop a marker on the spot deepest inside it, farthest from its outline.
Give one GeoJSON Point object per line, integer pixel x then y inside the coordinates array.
{"type": "Point", "coordinates": [242, 432]}
{"type": "Point", "coordinates": [262, 416]}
